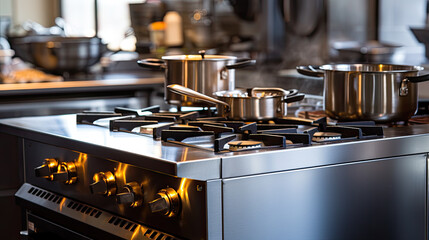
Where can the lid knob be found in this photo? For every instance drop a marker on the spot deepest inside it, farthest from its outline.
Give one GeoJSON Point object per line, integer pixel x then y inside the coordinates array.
{"type": "Point", "coordinates": [202, 53]}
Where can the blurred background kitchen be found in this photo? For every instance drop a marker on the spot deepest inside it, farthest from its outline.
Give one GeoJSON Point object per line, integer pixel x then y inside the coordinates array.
{"type": "Point", "coordinates": [279, 34]}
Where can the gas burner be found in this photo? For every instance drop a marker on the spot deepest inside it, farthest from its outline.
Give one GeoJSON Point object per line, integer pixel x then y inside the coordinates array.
{"type": "Point", "coordinates": [326, 136]}
{"type": "Point", "coordinates": [244, 145]}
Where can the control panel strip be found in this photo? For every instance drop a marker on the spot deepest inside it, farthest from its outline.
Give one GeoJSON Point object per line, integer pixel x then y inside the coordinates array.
{"type": "Point", "coordinates": [97, 218]}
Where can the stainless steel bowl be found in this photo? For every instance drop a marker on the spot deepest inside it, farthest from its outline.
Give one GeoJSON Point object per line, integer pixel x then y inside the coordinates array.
{"type": "Point", "coordinates": [59, 54]}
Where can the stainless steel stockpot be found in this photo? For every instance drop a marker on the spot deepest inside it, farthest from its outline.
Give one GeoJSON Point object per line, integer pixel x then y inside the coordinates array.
{"type": "Point", "coordinates": [240, 104]}
{"type": "Point", "coordinates": [376, 92]}
{"type": "Point", "coordinates": [203, 73]}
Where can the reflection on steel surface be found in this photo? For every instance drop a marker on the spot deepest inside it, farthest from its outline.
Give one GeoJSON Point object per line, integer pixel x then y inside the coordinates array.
{"type": "Point", "coordinates": [62, 204]}
{"type": "Point", "coordinates": [120, 172]}
{"type": "Point", "coordinates": [80, 163]}
{"type": "Point", "coordinates": [138, 233]}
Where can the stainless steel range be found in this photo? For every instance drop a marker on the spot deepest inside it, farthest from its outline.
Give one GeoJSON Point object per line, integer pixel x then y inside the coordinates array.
{"type": "Point", "coordinates": [145, 174]}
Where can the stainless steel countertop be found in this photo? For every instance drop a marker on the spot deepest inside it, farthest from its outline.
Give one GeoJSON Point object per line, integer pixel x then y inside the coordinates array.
{"type": "Point", "coordinates": [118, 84]}
{"type": "Point", "coordinates": [190, 162]}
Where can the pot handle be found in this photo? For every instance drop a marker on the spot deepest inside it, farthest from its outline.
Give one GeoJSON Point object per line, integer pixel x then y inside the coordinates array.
{"type": "Point", "coordinates": [417, 79]}
{"type": "Point", "coordinates": [310, 70]}
{"type": "Point", "coordinates": [294, 98]}
{"type": "Point", "coordinates": [179, 89]}
{"type": "Point", "coordinates": [152, 63]}
{"type": "Point", "coordinates": [241, 63]}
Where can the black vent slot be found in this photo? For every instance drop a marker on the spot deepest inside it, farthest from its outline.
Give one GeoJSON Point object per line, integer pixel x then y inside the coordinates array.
{"type": "Point", "coordinates": [130, 226]}
{"type": "Point", "coordinates": [45, 195]}
{"type": "Point", "coordinates": [160, 236]}
{"type": "Point", "coordinates": [84, 209]}
{"type": "Point", "coordinates": [122, 223]}
{"type": "Point", "coordinates": [31, 190]}
{"type": "Point", "coordinates": [152, 234]}
{"type": "Point", "coordinates": [133, 228]}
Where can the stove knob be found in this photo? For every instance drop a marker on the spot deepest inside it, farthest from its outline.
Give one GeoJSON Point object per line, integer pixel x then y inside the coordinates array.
{"type": "Point", "coordinates": [130, 195]}
{"type": "Point", "coordinates": [47, 169]}
{"type": "Point", "coordinates": [167, 202]}
{"type": "Point", "coordinates": [66, 173]}
{"type": "Point", "coordinates": [104, 183]}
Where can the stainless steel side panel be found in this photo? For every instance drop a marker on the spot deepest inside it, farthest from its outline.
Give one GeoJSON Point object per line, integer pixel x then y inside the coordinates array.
{"type": "Point", "coordinates": [379, 199]}
{"type": "Point", "coordinates": [214, 209]}
{"type": "Point", "coordinates": [313, 156]}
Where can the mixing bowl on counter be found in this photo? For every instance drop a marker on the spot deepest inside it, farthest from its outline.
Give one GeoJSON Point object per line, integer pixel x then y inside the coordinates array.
{"type": "Point", "coordinates": [59, 54]}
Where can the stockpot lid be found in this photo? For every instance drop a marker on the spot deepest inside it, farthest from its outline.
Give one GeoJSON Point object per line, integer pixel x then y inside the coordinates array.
{"type": "Point", "coordinates": [199, 57]}
{"type": "Point", "coordinates": [371, 68]}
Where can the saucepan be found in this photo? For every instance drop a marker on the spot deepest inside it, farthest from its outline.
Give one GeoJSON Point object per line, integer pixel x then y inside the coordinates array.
{"type": "Point", "coordinates": [375, 92]}
{"type": "Point", "coordinates": [246, 104]}
{"type": "Point", "coordinates": [203, 73]}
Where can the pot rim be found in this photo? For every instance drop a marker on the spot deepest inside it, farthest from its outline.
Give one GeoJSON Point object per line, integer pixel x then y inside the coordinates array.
{"type": "Point", "coordinates": [198, 58]}
{"type": "Point", "coordinates": [249, 97]}
{"type": "Point", "coordinates": [345, 67]}
{"type": "Point", "coordinates": [221, 94]}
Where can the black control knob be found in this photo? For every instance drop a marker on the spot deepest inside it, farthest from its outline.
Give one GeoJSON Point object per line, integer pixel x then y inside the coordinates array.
{"type": "Point", "coordinates": [166, 203]}
{"type": "Point", "coordinates": [104, 183]}
{"type": "Point", "coordinates": [127, 198]}
{"type": "Point", "coordinates": [47, 169]}
{"type": "Point", "coordinates": [131, 195]}
{"type": "Point", "coordinates": [60, 176]}
{"type": "Point", "coordinates": [161, 204]}
{"type": "Point", "coordinates": [66, 173]}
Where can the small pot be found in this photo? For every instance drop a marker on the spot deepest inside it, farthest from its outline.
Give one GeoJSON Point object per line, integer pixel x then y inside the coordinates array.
{"type": "Point", "coordinates": [262, 104]}
{"type": "Point", "coordinates": [375, 92]}
{"type": "Point", "coordinates": [203, 73]}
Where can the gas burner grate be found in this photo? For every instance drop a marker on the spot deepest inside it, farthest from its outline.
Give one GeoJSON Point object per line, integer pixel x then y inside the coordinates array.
{"type": "Point", "coordinates": [178, 135]}
{"type": "Point", "coordinates": [184, 117]}
{"type": "Point", "coordinates": [137, 112]}
{"type": "Point", "coordinates": [200, 129]}
{"type": "Point", "coordinates": [128, 124]}
{"type": "Point", "coordinates": [301, 121]}
{"type": "Point", "coordinates": [91, 117]}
